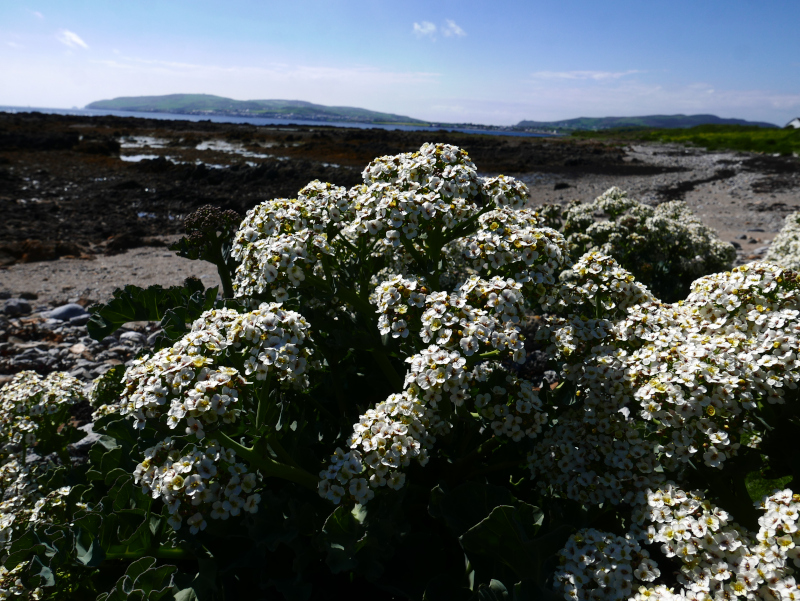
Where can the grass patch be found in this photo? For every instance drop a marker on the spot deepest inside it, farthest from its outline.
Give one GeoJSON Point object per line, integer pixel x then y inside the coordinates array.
{"type": "Point", "coordinates": [711, 137]}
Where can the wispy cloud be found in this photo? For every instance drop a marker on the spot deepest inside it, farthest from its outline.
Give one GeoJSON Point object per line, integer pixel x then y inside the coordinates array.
{"type": "Point", "coordinates": [585, 75]}
{"type": "Point", "coordinates": [452, 29]}
{"type": "Point", "coordinates": [37, 14]}
{"type": "Point", "coordinates": [71, 39]}
{"type": "Point", "coordinates": [426, 28]}
{"type": "Point", "coordinates": [14, 44]}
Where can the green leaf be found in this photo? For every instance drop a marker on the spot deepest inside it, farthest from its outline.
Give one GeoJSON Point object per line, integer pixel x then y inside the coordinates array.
{"type": "Point", "coordinates": [340, 535]}
{"type": "Point", "coordinates": [132, 303]}
{"type": "Point", "coordinates": [494, 591]}
{"type": "Point", "coordinates": [468, 504]}
{"type": "Point", "coordinates": [509, 537]}
{"type": "Point", "coordinates": [88, 549]}
{"type": "Point", "coordinates": [142, 581]}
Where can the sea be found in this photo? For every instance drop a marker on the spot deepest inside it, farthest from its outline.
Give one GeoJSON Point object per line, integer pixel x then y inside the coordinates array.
{"type": "Point", "coordinates": [260, 120]}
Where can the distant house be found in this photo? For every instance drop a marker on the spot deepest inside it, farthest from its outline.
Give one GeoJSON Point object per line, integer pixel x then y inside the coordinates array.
{"type": "Point", "coordinates": [794, 123]}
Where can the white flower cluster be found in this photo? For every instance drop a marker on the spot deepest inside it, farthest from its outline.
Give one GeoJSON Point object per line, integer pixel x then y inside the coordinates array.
{"type": "Point", "coordinates": [279, 240]}
{"type": "Point", "coordinates": [411, 193]}
{"type": "Point", "coordinates": [26, 505]}
{"type": "Point", "coordinates": [596, 286]}
{"type": "Point", "coordinates": [506, 191]}
{"type": "Point", "coordinates": [188, 385]}
{"type": "Point", "coordinates": [418, 195]}
{"type": "Point", "coordinates": [664, 384]}
{"type": "Point", "coordinates": [28, 398]}
{"type": "Point", "coordinates": [481, 315]}
{"type": "Point", "coordinates": [197, 483]}
{"type": "Point", "coordinates": [602, 566]}
{"type": "Point", "coordinates": [642, 238]}
{"type": "Point", "coordinates": [26, 402]}
{"type": "Point", "coordinates": [398, 430]}
{"type": "Point", "coordinates": [385, 439]}
{"type": "Point", "coordinates": [596, 454]}
{"type": "Point", "coordinates": [19, 495]}
{"type": "Point", "coordinates": [785, 248]}
{"type": "Point", "coordinates": [721, 560]}
{"type": "Point", "coordinates": [512, 243]}
{"type": "Point", "coordinates": [514, 409]}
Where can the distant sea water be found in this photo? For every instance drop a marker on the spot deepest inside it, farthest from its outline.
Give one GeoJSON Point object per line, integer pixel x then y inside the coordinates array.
{"type": "Point", "coordinates": [258, 120]}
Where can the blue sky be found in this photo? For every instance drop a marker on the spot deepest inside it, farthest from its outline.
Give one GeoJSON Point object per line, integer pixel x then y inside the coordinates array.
{"type": "Point", "coordinates": [492, 62]}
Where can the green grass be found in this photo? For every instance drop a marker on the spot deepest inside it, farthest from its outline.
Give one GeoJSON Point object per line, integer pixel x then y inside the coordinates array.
{"type": "Point", "coordinates": [711, 137]}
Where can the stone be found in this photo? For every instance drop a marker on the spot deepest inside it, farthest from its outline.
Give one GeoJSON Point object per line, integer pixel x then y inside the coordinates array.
{"type": "Point", "coordinates": [16, 306]}
{"type": "Point", "coordinates": [100, 370]}
{"type": "Point", "coordinates": [80, 320]}
{"type": "Point", "coordinates": [67, 312]}
{"type": "Point", "coordinates": [87, 441]}
{"type": "Point", "coordinates": [133, 338]}
{"type": "Point", "coordinates": [77, 349]}
{"type": "Point", "coordinates": [29, 295]}
{"type": "Point", "coordinates": [81, 374]}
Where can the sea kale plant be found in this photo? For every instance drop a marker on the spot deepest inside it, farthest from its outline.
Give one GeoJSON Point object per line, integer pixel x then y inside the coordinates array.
{"type": "Point", "coordinates": [665, 247]}
{"type": "Point", "coordinates": [351, 416]}
{"type": "Point", "coordinates": [785, 248]}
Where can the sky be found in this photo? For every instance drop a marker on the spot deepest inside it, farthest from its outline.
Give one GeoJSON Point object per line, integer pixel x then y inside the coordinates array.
{"type": "Point", "coordinates": [493, 62]}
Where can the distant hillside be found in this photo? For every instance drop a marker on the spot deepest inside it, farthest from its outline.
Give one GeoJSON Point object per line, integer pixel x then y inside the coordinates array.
{"type": "Point", "coordinates": [206, 104]}
{"type": "Point", "coordinates": [659, 121]}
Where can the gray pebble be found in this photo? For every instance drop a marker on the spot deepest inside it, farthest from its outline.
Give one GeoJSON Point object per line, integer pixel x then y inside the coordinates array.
{"type": "Point", "coordinates": [133, 338]}
{"type": "Point", "coordinates": [87, 441]}
{"type": "Point", "coordinates": [80, 320]}
{"type": "Point", "coordinates": [151, 339]}
{"type": "Point", "coordinates": [67, 312]}
{"type": "Point", "coordinates": [16, 306]}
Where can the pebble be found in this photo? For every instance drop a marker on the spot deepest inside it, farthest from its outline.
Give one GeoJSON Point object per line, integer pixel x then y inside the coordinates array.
{"type": "Point", "coordinates": [56, 339]}
{"type": "Point", "coordinates": [133, 337]}
{"type": "Point", "coordinates": [80, 320]}
{"type": "Point", "coordinates": [67, 312]}
{"type": "Point", "coordinates": [14, 307]}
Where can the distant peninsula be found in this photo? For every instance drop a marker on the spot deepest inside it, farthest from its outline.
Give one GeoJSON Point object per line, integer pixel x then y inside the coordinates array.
{"type": "Point", "coordinates": [210, 105]}
{"type": "Point", "coordinates": [207, 104]}
{"type": "Point", "coordinates": [654, 121]}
